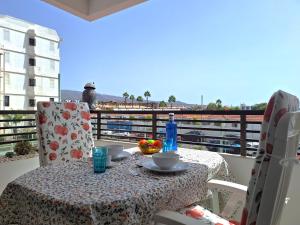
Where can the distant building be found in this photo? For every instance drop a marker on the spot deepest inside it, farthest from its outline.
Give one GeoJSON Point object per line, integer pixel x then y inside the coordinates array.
{"type": "Point", "coordinates": [29, 64]}
{"type": "Point", "coordinates": [245, 107]}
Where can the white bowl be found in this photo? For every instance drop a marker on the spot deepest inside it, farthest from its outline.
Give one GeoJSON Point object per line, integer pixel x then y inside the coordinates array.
{"type": "Point", "coordinates": [114, 150]}
{"type": "Point", "coordinates": [165, 161]}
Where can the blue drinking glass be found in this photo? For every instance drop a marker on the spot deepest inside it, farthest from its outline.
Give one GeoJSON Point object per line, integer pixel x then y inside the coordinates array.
{"type": "Point", "coordinates": [99, 159]}
{"type": "Point", "coordinates": [167, 145]}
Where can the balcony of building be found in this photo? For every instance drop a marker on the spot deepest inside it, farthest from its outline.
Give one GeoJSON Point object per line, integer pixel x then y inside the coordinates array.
{"type": "Point", "coordinates": [233, 134]}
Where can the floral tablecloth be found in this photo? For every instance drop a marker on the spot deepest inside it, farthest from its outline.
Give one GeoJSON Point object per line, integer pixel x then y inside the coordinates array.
{"type": "Point", "coordinates": [70, 193]}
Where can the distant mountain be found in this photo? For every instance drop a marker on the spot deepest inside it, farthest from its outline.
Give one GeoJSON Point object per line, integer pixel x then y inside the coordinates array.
{"type": "Point", "coordinates": [76, 95]}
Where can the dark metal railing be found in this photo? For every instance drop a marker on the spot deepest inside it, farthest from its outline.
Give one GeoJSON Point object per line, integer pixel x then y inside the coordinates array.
{"type": "Point", "coordinates": [230, 131]}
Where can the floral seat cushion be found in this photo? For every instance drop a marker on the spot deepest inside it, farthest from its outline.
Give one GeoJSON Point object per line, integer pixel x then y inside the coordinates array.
{"type": "Point", "coordinates": [205, 216]}
{"type": "Point", "coordinates": [64, 131]}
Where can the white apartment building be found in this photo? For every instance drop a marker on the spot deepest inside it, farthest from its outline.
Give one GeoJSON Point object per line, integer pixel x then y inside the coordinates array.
{"type": "Point", "coordinates": [29, 64]}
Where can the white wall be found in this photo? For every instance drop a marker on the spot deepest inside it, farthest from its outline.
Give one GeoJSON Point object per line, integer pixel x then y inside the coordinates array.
{"type": "Point", "coordinates": [241, 168]}
{"type": "Point", "coordinates": [44, 48]}
{"type": "Point", "coordinates": [16, 39]}
{"type": "Point", "coordinates": [17, 102]}
{"type": "Point", "coordinates": [18, 89]}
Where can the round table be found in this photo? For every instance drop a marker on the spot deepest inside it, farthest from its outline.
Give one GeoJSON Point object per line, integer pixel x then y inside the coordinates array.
{"type": "Point", "coordinates": [71, 193]}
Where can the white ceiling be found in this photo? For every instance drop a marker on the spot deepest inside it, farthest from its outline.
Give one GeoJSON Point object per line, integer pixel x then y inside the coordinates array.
{"type": "Point", "coordinates": [93, 9]}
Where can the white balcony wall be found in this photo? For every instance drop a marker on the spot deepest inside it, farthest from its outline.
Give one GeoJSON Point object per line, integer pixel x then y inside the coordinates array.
{"type": "Point", "coordinates": [19, 63]}
{"type": "Point", "coordinates": [12, 40]}
{"type": "Point", "coordinates": [46, 67]}
{"type": "Point", "coordinates": [18, 84]}
{"type": "Point", "coordinates": [17, 102]}
{"type": "Point", "coordinates": [46, 86]}
{"type": "Point", "coordinates": [19, 42]}
{"type": "Point", "coordinates": [45, 99]}
{"type": "Point", "coordinates": [46, 48]}
{"type": "Point", "coordinates": [15, 62]}
{"type": "Point", "coordinates": [15, 83]}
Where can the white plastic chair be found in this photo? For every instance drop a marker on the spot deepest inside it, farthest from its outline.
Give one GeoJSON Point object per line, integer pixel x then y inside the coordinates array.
{"type": "Point", "coordinates": [279, 165]}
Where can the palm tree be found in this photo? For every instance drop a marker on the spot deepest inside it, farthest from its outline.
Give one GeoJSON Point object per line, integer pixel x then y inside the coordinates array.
{"type": "Point", "coordinates": [162, 104]}
{"type": "Point", "coordinates": [132, 99]}
{"type": "Point", "coordinates": [125, 96]}
{"type": "Point", "coordinates": [147, 95]}
{"type": "Point", "coordinates": [172, 100]}
{"type": "Point", "coordinates": [219, 103]}
{"type": "Point", "coordinates": [140, 99]}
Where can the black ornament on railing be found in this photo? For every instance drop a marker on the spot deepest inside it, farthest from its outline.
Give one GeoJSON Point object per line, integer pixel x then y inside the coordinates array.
{"type": "Point", "coordinates": [89, 95]}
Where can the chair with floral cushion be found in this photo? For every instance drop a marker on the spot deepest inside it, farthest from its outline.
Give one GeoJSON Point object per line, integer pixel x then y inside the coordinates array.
{"type": "Point", "coordinates": [64, 132]}
{"type": "Point", "coordinates": [270, 177]}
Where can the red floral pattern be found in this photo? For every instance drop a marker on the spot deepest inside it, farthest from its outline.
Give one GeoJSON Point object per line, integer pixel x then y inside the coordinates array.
{"type": "Point", "coordinates": [65, 132]}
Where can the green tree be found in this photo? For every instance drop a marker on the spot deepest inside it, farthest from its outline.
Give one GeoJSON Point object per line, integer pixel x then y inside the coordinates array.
{"type": "Point", "coordinates": [259, 106]}
{"type": "Point", "coordinates": [132, 98]}
{"type": "Point", "coordinates": [234, 108]}
{"type": "Point", "coordinates": [125, 96]}
{"type": "Point", "coordinates": [172, 100]}
{"type": "Point", "coordinates": [219, 103]}
{"type": "Point", "coordinates": [147, 95]}
{"type": "Point", "coordinates": [162, 104]}
{"type": "Point", "coordinates": [140, 100]}
{"type": "Point", "coordinates": [212, 106]}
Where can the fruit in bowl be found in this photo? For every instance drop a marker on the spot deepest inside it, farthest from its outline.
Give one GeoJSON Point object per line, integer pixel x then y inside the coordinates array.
{"type": "Point", "coordinates": [150, 146]}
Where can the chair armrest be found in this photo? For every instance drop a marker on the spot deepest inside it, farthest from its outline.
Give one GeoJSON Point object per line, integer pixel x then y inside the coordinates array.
{"type": "Point", "coordinates": [173, 218]}
{"type": "Point", "coordinates": [228, 186]}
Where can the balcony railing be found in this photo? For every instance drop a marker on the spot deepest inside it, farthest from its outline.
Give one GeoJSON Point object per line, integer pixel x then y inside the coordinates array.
{"type": "Point", "coordinates": [232, 131]}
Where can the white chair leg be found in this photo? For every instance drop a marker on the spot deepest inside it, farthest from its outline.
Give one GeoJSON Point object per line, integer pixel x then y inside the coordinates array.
{"type": "Point", "coordinates": [215, 202]}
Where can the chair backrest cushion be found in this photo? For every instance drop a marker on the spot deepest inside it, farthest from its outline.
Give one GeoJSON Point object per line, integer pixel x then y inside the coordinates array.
{"type": "Point", "coordinates": [280, 169]}
{"type": "Point", "coordinates": [279, 104]}
{"type": "Point", "coordinates": [64, 131]}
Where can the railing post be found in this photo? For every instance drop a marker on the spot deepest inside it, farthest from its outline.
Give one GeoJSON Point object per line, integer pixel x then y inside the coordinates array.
{"type": "Point", "coordinates": [98, 125]}
{"type": "Point", "coordinates": [243, 135]}
{"type": "Point", "coordinates": [154, 121]}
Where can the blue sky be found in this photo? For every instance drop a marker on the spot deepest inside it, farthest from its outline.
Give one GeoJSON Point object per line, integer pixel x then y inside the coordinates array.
{"type": "Point", "coordinates": [238, 51]}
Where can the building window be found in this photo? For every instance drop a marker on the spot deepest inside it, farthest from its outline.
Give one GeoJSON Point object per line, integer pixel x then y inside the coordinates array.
{"type": "Point", "coordinates": [6, 100]}
{"type": "Point", "coordinates": [32, 41]}
{"type": "Point", "coordinates": [52, 84]}
{"type": "Point", "coordinates": [40, 83]}
{"type": "Point", "coordinates": [6, 35]}
{"type": "Point", "coordinates": [7, 57]}
{"type": "Point", "coordinates": [31, 61]}
{"type": "Point", "coordinates": [51, 46]}
{"type": "Point", "coordinates": [32, 82]}
{"type": "Point", "coordinates": [51, 99]}
{"type": "Point", "coordinates": [32, 102]}
{"type": "Point", "coordinates": [52, 64]}
{"type": "Point", "coordinates": [7, 79]}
